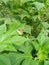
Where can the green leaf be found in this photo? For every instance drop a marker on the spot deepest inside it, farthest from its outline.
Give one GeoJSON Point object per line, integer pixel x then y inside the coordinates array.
{"type": "Point", "coordinates": [2, 29]}
{"type": "Point", "coordinates": [36, 44]}
{"type": "Point", "coordinates": [29, 62]}
{"type": "Point", "coordinates": [42, 36]}
{"type": "Point", "coordinates": [18, 40]}
{"type": "Point", "coordinates": [11, 37]}
{"type": "Point", "coordinates": [24, 1]}
{"type": "Point", "coordinates": [40, 62]}
{"type": "Point", "coordinates": [39, 5]}
{"type": "Point", "coordinates": [46, 63]}
{"type": "Point", "coordinates": [4, 59]}
{"type": "Point", "coordinates": [22, 57]}
{"type": "Point", "coordinates": [27, 29]}
{"type": "Point", "coordinates": [45, 24]}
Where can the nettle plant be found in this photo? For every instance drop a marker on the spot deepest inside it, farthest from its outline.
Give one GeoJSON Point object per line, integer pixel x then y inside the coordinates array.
{"type": "Point", "coordinates": [24, 32]}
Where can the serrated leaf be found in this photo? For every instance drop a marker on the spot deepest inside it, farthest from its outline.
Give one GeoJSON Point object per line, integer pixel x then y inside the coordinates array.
{"type": "Point", "coordinates": [18, 40]}
{"type": "Point", "coordinates": [22, 58]}
{"type": "Point", "coordinates": [11, 37]}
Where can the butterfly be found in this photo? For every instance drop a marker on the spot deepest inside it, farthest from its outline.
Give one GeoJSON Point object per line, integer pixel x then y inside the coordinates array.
{"type": "Point", "coordinates": [20, 31]}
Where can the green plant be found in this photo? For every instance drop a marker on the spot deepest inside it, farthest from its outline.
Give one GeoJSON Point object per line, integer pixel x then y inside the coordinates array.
{"type": "Point", "coordinates": [24, 32]}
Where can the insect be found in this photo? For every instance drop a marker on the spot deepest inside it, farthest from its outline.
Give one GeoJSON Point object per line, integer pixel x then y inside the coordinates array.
{"type": "Point", "coordinates": [20, 31]}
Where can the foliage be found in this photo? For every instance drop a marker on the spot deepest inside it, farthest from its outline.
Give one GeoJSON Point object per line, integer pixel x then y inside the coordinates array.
{"type": "Point", "coordinates": [24, 32]}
